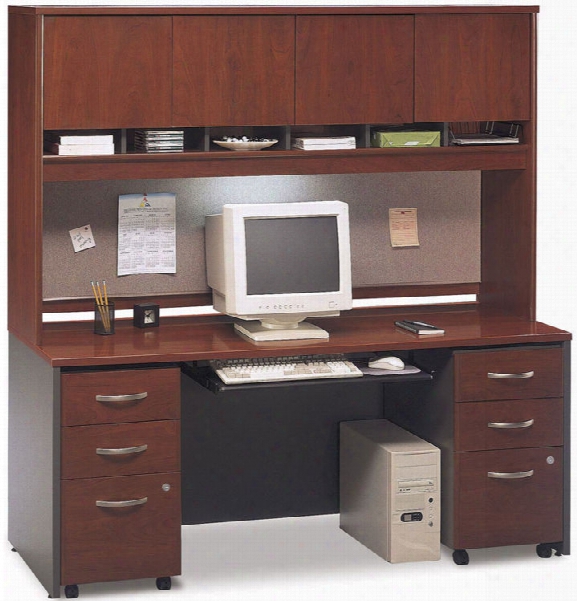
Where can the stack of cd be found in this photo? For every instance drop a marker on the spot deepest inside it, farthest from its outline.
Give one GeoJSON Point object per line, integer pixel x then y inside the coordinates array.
{"type": "Point", "coordinates": [158, 140]}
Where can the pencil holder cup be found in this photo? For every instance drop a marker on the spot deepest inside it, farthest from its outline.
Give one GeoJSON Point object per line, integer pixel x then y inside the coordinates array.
{"type": "Point", "coordinates": [104, 318]}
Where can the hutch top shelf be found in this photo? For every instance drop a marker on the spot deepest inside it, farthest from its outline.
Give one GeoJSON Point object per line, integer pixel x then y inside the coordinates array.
{"type": "Point", "coordinates": [263, 10]}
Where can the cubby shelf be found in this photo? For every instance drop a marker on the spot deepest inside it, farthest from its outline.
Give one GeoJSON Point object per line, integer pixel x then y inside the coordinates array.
{"type": "Point", "coordinates": [283, 162]}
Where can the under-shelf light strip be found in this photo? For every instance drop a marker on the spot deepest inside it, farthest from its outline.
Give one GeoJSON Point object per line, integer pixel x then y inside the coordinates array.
{"type": "Point", "coordinates": [208, 310]}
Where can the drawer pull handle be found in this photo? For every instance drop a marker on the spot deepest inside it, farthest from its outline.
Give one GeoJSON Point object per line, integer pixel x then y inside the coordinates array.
{"type": "Point", "coordinates": [510, 475]}
{"type": "Point", "coordinates": [103, 398]}
{"type": "Point", "coordinates": [511, 425]}
{"type": "Point", "coordinates": [522, 376]}
{"type": "Point", "coordinates": [122, 451]}
{"type": "Point", "coordinates": [128, 503]}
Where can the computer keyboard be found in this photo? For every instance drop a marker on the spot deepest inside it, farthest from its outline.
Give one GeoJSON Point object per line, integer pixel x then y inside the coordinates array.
{"type": "Point", "coordinates": [277, 369]}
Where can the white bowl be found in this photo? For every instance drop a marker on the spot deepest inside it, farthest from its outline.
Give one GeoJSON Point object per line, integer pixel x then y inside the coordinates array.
{"type": "Point", "coordinates": [245, 145]}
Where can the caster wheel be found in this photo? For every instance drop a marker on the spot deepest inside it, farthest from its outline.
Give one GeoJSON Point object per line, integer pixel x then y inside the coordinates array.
{"type": "Point", "coordinates": [461, 557]}
{"type": "Point", "coordinates": [71, 591]}
{"type": "Point", "coordinates": [164, 583]}
{"type": "Point", "coordinates": [544, 550]}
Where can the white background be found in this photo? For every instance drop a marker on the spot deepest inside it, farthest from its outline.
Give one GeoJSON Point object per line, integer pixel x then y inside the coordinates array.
{"type": "Point", "coordinates": [309, 558]}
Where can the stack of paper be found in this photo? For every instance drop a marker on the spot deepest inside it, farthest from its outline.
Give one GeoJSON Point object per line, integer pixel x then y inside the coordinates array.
{"type": "Point", "coordinates": [325, 143]}
{"type": "Point", "coordinates": [78, 144]}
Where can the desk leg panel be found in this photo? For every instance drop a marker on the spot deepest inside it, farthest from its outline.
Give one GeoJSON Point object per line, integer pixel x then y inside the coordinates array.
{"type": "Point", "coordinates": [34, 463]}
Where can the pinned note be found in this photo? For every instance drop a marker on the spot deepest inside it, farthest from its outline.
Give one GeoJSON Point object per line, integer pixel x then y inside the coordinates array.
{"type": "Point", "coordinates": [403, 227]}
{"type": "Point", "coordinates": [82, 238]}
{"type": "Point", "coordinates": [146, 233]}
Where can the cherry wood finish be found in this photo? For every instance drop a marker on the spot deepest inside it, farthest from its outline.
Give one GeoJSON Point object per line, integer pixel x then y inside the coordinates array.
{"type": "Point", "coordinates": [472, 67]}
{"type": "Point", "coordinates": [105, 72]}
{"type": "Point", "coordinates": [480, 64]}
{"type": "Point", "coordinates": [472, 382]}
{"type": "Point", "coordinates": [24, 179]}
{"type": "Point", "coordinates": [260, 10]}
{"type": "Point", "coordinates": [472, 431]}
{"type": "Point", "coordinates": [79, 444]}
{"type": "Point", "coordinates": [493, 512]}
{"type": "Point", "coordinates": [79, 390]}
{"type": "Point", "coordinates": [508, 262]}
{"type": "Point", "coordinates": [478, 511]}
{"type": "Point", "coordinates": [283, 162]}
{"type": "Point", "coordinates": [233, 70]}
{"type": "Point", "coordinates": [181, 339]}
{"type": "Point", "coordinates": [102, 544]}
{"type": "Point", "coordinates": [354, 69]}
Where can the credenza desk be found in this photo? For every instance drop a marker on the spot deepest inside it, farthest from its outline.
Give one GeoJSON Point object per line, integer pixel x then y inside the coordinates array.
{"type": "Point", "coordinates": [112, 437]}
{"type": "Point", "coordinates": [262, 451]}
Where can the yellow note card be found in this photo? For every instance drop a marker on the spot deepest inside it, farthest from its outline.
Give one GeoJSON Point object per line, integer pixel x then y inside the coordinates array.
{"type": "Point", "coordinates": [403, 227]}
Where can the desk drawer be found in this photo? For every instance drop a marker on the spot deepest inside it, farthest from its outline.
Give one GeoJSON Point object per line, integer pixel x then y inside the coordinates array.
{"type": "Point", "coordinates": [520, 503]}
{"type": "Point", "coordinates": [486, 425]}
{"type": "Point", "coordinates": [120, 449]}
{"type": "Point", "coordinates": [133, 395]}
{"type": "Point", "coordinates": [141, 540]}
{"type": "Point", "coordinates": [508, 374]}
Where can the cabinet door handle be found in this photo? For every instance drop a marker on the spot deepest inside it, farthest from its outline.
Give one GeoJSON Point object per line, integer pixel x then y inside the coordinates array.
{"type": "Point", "coordinates": [122, 451]}
{"type": "Point", "coordinates": [522, 376]}
{"type": "Point", "coordinates": [511, 425]}
{"type": "Point", "coordinates": [103, 398]}
{"type": "Point", "coordinates": [127, 503]}
{"type": "Point", "coordinates": [510, 475]}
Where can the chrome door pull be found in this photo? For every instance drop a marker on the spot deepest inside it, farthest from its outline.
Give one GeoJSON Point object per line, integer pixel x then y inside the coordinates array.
{"type": "Point", "coordinates": [118, 398]}
{"type": "Point", "coordinates": [510, 475]}
{"type": "Point", "coordinates": [511, 425]}
{"type": "Point", "coordinates": [522, 376]}
{"type": "Point", "coordinates": [122, 451]}
{"type": "Point", "coordinates": [128, 503]}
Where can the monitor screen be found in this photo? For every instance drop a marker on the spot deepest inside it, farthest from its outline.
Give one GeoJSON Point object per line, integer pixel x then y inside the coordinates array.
{"type": "Point", "coordinates": [272, 265]}
{"type": "Point", "coordinates": [292, 255]}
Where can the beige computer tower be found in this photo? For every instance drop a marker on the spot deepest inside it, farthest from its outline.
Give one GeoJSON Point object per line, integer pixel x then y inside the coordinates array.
{"type": "Point", "coordinates": [390, 490]}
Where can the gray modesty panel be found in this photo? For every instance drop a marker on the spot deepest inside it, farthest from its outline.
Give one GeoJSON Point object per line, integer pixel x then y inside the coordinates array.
{"type": "Point", "coordinates": [34, 463]}
{"type": "Point", "coordinates": [448, 204]}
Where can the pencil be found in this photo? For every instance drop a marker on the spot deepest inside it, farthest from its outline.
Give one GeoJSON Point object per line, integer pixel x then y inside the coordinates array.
{"type": "Point", "coordinates": [107, 306]}
{"type": "Point", "coordinates": [102, 308]}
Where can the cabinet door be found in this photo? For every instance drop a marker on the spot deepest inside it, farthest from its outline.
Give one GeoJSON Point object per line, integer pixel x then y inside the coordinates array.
{"type": "Point", "coordinates": [107, 72]}
{"type": "Point", "coordinates": [233, 70]}
{"type": "Point", "coordinates": [354, 69]}
{"type": "Point", "coordinates": [472, 67]}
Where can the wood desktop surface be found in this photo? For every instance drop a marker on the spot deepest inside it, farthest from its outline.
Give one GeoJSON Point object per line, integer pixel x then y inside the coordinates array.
{"type": "Point", "coordinates": [361, 330]}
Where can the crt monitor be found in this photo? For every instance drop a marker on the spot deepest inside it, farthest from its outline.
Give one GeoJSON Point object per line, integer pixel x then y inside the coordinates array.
{"type": "Point", "coordinates": [273, 265]}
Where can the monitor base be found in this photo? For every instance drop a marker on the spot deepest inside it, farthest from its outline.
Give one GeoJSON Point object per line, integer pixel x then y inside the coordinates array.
{"type": "Point", "coordinates": [254, 330]}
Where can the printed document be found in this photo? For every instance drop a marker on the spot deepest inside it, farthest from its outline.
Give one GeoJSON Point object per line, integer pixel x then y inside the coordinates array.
{"type": "Point", "coordinates": [146, 233]}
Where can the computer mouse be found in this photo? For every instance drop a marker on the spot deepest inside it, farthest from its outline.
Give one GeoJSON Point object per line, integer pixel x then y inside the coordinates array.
{"type": "Point", "coordinates": [392, 363]}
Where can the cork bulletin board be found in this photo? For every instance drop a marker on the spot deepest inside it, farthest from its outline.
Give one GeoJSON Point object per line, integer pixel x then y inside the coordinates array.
{"type": "Point", "coordinates": [449, 220]}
